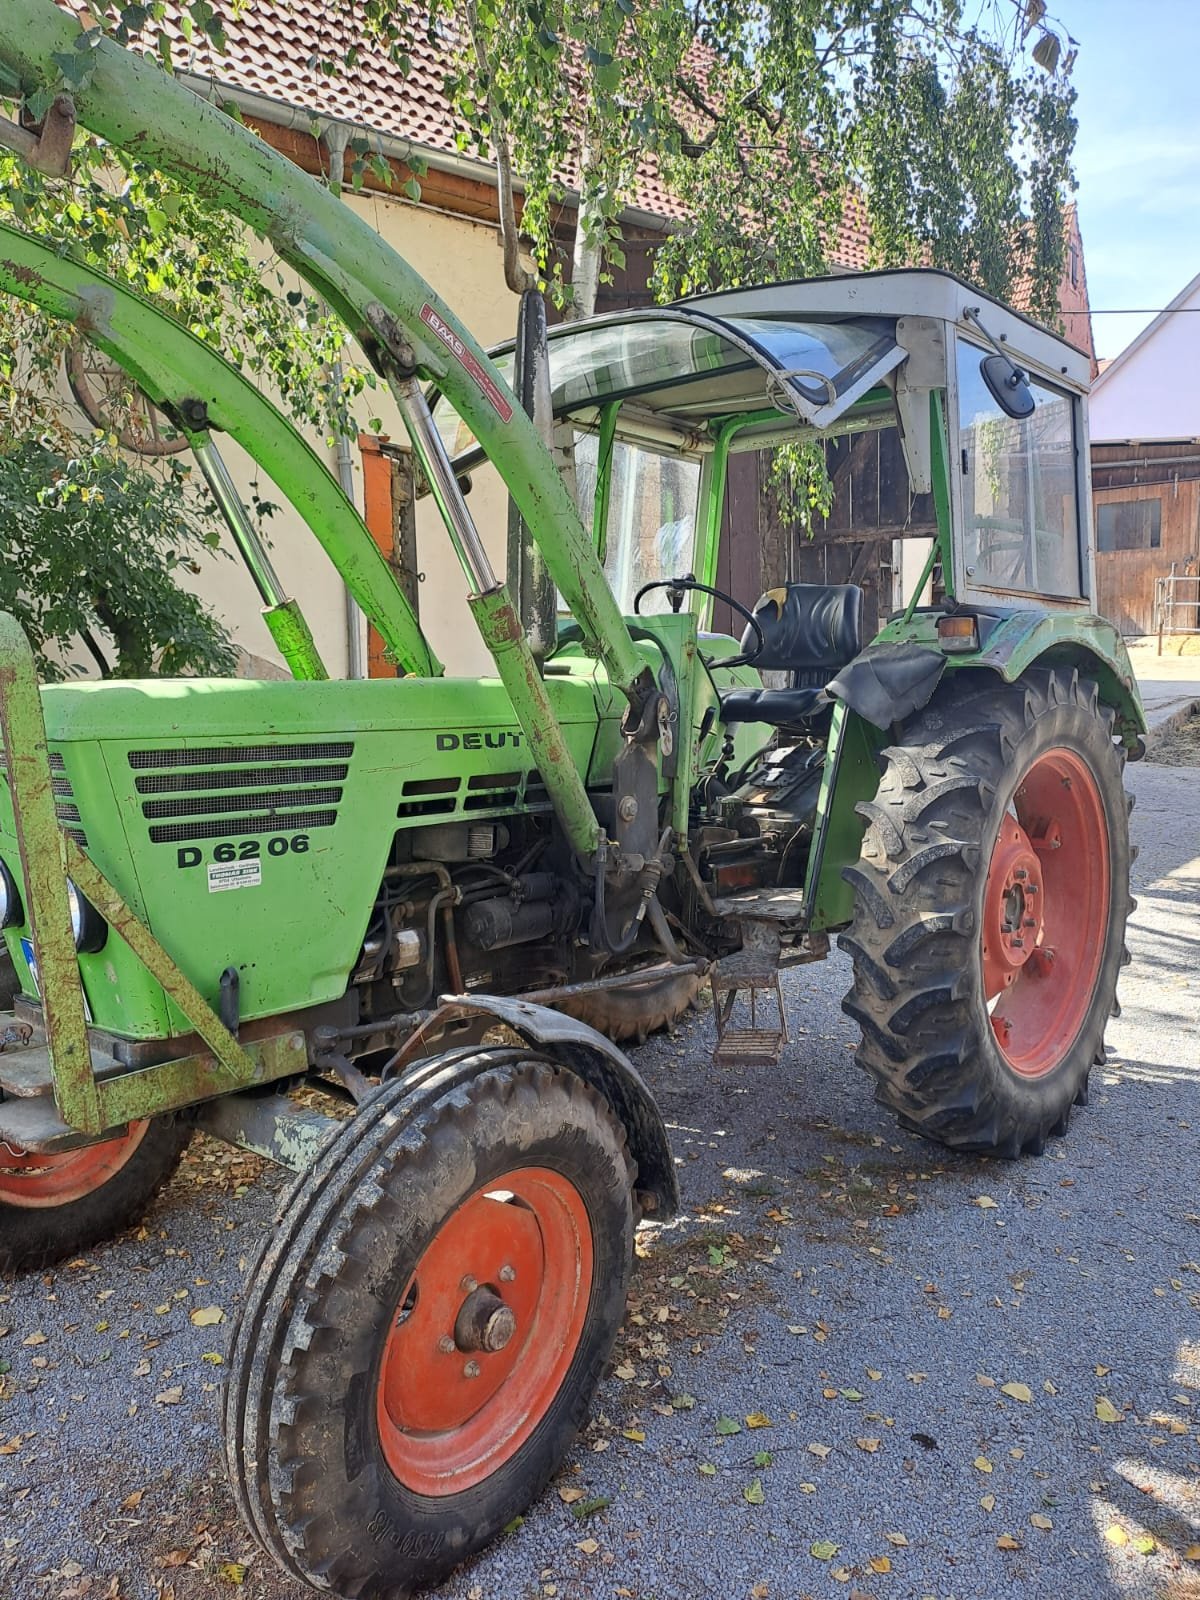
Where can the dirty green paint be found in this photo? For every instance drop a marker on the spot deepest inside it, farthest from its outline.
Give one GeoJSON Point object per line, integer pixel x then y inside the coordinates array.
{"type": "Point", "coordinates": [172, 365]}
{"type": "Point", "coordinates": [294, 935]}
{"type": "Point", "coordinates": [270, 1126]}
{"type": "Point", "coordinates": [500, 629]}
{"type": "Point", "coordinates": [1026, 639]}
{"type": "Point", "coordinates": [44, 887]}
{"type": "Point", "coordinates": [850, 776]}
{"type": "Point", "coordinates": [174, 1084]}
{"type": "Point", "coordinates": [294, 641]}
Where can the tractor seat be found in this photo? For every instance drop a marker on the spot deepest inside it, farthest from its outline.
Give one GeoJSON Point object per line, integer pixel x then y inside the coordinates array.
{"type": "Point", "coordinates": [810, 630]}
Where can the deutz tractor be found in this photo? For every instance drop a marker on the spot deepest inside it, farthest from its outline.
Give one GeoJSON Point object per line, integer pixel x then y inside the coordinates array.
{"type": "Point", "coordinates": [433, 902]}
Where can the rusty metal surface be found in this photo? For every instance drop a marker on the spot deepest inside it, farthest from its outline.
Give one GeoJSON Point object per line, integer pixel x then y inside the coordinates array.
{"type": "Point", "coordinates": [270, 1125]}
{"type": "Point", "coordinates": [41, 844]}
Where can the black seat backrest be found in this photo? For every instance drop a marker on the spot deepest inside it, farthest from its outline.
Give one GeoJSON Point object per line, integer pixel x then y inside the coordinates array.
{"type": "Point", "coordinates": [809, 629]}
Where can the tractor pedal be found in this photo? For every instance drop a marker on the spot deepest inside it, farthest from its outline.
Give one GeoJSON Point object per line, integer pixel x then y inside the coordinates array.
{"type": "Point", "coordinates": [749, 1047]}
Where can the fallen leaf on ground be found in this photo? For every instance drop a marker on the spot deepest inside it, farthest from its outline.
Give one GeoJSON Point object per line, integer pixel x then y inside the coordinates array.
{"type": "Point", "coordinates": [823, 1549]}
{"type": "Point", "coordinates": [635, 1434]}
{"type": "Point", "coordinates": [985, 1202]}
{"type": "Point", "coordinates": [898, 1539]}
{"type": "Point", "coordinates": [1007, 1542]}
{"type": "Point", "coordinates": [982, 1464]}
{"type": "Point", "coordinates": [819, 1450]}
{"type": "Point", "coordinates": [707, 1468]}
{"type": "Point", "coordinates": [988, 1502]}
{"type": "Point", "coordinates": [1115, 1534]}
{"type": "Point", "coordinates": [569, 1496]}
{"type": "Point", "coordinates": [879, 1564]}
{"type": "Point", "coordinates": [132, 1501]}
{"type": "Point", "coordinates": [1106, 1411]}
{"type": "Point", "coordinates": [728, 1425]}
{"type": "Point", "coordinates": [233, 1571]}
{"type": "Point", "coordinates": [588, 1508]}
{"type": "Point", "coordinates": [35, 1338]}
{"type": "Point", "coordinates": [758, 1419]}
{"type": "Point", "coordinates": [169, 1397]}
{"type": "Point", "coordinates": [625, 1372]}
{"type": "Point", "coordinates": [588, 1546]}
{"type": "Point", "coordinates": [753, 1493]}
{"type": "Point", "coordinates": [1017, 1391]}
{"type": "Point", "coordinates": [206, 1316]}
{"type": "Point", "coordinates": [1041, 1522]}
{"type": "Point", "coordinates": [873, 1375]}
{"type": "Point", "coordinates": [869, 1445]}
{"type": "Point", "coordinates": [1145, 1544]}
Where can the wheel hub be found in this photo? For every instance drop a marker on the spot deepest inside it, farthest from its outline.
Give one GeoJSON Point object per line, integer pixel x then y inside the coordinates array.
{"type": "Point", "coordinates": [484, 1331]}
{"type": "Point", "coordinates": [1014, 907]}
{"type": "Point", "coordinates": [484, 1322]}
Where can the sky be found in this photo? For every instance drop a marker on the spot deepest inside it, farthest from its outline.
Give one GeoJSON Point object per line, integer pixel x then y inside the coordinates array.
{"type": "Point", "coordinates": [1137, 155]}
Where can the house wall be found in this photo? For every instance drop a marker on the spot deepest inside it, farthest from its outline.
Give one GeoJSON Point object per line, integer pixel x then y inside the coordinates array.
{"type": "Point", "coordinates": [1151, 392]}
{"type": "Point", "coordinates": [1125, 578]}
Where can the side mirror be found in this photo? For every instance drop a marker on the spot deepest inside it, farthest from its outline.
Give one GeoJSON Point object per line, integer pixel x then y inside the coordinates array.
{"type": "Point", "coordinates": [1008, 386]}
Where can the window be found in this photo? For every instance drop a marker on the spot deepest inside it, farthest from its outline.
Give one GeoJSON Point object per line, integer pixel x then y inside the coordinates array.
{"type": "Point", "coordinates": [1129, 525]}
{"type": "Point", "coordinates": [1073, 263]}
{"type": "Point", "coordinates": [1019, 487]}
{"type": "Point", "coordinates": [651, 516]}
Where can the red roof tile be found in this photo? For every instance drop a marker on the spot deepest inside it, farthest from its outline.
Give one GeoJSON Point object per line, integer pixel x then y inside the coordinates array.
{"type": "Point", "coordinates": [275, 47]}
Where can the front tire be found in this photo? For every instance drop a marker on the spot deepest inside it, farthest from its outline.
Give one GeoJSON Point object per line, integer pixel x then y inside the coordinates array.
{"type": "Point", "coordinates": [422, 1338]}
{"type": "Point", "coordinates": [990, 904]}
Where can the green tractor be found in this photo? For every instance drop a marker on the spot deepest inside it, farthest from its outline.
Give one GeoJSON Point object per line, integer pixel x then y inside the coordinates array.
{"type": "Point", "coordinates": [434, 903]}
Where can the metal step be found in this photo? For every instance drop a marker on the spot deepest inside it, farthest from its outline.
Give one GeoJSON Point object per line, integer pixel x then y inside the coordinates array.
{"type": "Point", "coordinates": [25, 1073]}
{"type": "Point", "coordinates": [35, 1124]}
{"type": "Point", "coordinates": [749, 1047]}
{"type": "Point", "coordinates": [762, 905]}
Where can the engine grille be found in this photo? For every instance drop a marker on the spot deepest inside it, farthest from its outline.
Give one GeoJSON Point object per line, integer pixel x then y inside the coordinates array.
{"type": "Point", "coordinates": [240, 789]}
{"type": "Point", "coordinates": [65, 808]}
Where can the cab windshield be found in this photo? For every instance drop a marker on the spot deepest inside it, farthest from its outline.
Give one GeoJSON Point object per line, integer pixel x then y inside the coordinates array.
{"type": "Point", "coordinates": [650, 530]}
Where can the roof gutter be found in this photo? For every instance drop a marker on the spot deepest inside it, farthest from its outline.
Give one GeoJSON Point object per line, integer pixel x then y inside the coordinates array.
{"type": "Point", "coordinates": [282, 114]}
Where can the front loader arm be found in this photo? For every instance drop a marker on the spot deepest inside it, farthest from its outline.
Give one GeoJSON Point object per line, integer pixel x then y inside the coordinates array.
{"type": "Point", "coordinates": [132, 103]}
{"type": "Point", "coordinates": [176, 370]}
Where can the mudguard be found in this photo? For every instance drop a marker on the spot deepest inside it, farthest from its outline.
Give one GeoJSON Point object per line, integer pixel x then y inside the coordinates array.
{"type": "Point", "coordinates": [599, 1063]}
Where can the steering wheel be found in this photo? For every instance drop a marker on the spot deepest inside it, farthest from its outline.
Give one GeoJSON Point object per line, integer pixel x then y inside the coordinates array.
{"type": "Point", "coordinates": [678, 587]}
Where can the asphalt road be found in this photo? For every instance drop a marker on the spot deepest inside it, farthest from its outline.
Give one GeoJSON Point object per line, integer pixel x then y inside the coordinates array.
{"type": "Point", "coordinates": [861, 1297]}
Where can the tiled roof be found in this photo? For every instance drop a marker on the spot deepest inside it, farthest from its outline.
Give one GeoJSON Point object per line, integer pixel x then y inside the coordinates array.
{"type": "Point", "coordinates": [275, 48]}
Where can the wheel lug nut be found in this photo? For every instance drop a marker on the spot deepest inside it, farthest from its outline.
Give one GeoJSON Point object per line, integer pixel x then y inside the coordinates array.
{"type": "Point", "coordinates": [1030, 922]}
{"type": "Point", "coordinates": [446, 1345]}
{"type": "Point", "coordinates": [507, 1274]}
{"type": "Point", "coordinates": [1021, 874]}
{"type": "Point", "coordinates": [471, 1370]}
{"type": "Point", "coordinates": [1018, 944]}
{"type": "Point", "coordinates": [468, 1284]}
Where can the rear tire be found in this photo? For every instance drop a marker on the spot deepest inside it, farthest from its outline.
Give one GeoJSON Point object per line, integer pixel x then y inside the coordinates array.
{"type": "Point", "coordinates": [58, 1205]}
{"type": "Point", "coordinates": [991, 898]}
{"type": "Point", "coordinates": [364, 1455]}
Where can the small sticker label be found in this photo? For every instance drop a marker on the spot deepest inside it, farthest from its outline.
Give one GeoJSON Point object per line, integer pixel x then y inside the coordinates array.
{"type": "Point", "coordinates": [461, 354]}
{"type": "Point", "coordinates": [233, 875]}
{"type": "Point", "coordinates": [31, 963]}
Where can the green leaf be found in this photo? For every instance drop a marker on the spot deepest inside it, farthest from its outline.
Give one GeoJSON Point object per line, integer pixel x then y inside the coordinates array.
{"type": "Point", "coordinates": [762, 1458]}
{"type": "Point", "coordinates": [707, 1469]}
{"type": "Point", "coordinates": [728, 1425]}
{"type": "Point", "coordinates": [753, 1493]}
{"type": "Point", "coordinates": [823, 1549]}
{"type": "Point", "coordinates": [589, 1508]}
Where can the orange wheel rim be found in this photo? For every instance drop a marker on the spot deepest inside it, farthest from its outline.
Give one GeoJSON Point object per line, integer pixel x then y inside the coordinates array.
{"type": "Point", "coordinates": [34, 1180]}
{"type": "Point", "coordinates": [485, 1331]}
{"type": "Point", "coordinates": [1046, 912]}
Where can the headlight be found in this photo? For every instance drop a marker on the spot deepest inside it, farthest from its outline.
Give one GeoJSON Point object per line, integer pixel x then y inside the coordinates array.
{"type": "Point", "coordinates": [12, 913]}
{"type": "Point", "coordinates": [88, 926]}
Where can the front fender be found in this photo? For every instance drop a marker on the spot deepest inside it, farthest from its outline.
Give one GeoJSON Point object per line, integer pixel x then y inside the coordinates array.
{"type": "Point", "coordinates": [599, 1063]}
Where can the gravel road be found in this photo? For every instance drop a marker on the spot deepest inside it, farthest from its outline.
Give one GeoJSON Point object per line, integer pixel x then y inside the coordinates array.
{"type": "Point", "coordinates": [854, 1367]}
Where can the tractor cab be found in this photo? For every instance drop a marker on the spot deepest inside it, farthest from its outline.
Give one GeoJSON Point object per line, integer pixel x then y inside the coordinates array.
{"type": "Point", "coordinates": [980, 412]}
